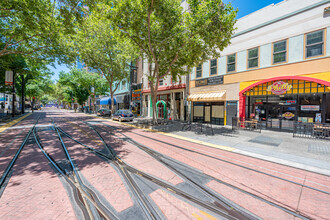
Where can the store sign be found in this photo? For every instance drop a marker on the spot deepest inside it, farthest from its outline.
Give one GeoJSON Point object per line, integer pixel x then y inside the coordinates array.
{"type": "Point", "coordinates": [310, 108]}
{"type": "Point", "coordinates": [288, 115]}
{"type": "Point", "coordinates": [279, 88]}
{"type": "Point", "coordinates": [215, 80]}
{"type": "Point", "coordinates": [290, 101]}
{"type": "Point", "coordinates": [259, 101]}
{"type": "Point", "coordinates": [201, 82]}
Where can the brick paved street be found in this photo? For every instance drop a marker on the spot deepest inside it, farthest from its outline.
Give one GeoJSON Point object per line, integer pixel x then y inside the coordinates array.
{"type": "Point", "coordinates": [254, 187]}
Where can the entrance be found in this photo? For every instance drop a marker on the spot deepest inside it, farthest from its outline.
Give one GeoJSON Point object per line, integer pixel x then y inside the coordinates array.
{"type": "Point", "coordinates": [276, 116]}
{"type": "Point", "coordinates": [161, 109]}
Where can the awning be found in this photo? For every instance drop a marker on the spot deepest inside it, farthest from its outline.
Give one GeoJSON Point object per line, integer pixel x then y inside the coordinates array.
{"type": "Point", "coordinates": [211, 96]}
{"type": "Point", "coordinates": [119, 98]}
{"type": "Point", "coordinates": [107, 101]}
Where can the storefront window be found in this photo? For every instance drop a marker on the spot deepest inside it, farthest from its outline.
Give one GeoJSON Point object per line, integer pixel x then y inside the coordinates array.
{"type": "Point", "coordinates": [279, 104]}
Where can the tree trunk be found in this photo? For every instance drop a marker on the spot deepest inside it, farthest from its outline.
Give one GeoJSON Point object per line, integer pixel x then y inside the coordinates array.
{"type": "Point", "coordinates": [154, 91]}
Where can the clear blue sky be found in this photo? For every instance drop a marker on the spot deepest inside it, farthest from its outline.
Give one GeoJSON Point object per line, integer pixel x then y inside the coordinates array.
{"type": "Point", "coordinates": [245, 7]}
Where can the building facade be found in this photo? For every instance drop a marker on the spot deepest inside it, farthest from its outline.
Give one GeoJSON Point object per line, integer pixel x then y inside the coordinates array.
{"type": "Point", "coordinates": [170, 97]}
{"type": "Point", "coordinates": [276, 70]}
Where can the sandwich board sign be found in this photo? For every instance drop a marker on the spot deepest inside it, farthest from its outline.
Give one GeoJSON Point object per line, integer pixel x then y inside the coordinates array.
{"type": "Point", "coordinates": [9, 77]}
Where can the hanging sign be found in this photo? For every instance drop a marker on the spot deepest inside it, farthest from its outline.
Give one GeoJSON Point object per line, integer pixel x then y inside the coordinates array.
{"type": "Point", "coordinates": [288, 115]}
{"type": "Point", "coordinates": [279, 88]}
{"type": "Point", "coordinates": [9, 77]}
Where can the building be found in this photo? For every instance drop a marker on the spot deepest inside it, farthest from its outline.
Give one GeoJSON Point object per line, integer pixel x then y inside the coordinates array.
{"type": "Point", "coordinates": [170, 96]}
{"type": "Point", "coordinates": [276, 70]}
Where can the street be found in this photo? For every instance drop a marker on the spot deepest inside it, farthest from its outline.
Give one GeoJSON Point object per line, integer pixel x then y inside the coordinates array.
{"type": "Point", "coordinates": [76, 166]}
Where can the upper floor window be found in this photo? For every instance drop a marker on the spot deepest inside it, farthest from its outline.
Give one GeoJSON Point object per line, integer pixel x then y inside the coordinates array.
{"type": "Point", "coordinates": [231, 63]}
{"type": "Point", "coordinates": [161, 82]}
{"type": "Point", "coordinates": [279, 52]}
{"type": "Point", "coordinates": [314, 44]}
{"type": "Point", "coordinates": [253, 57]}
{"type": "Point", "coordinates": [213, 67]}
{"type": "Point", "coordinates": [199, 71]}
{"type": "Point", "coordinates": [123, 85]}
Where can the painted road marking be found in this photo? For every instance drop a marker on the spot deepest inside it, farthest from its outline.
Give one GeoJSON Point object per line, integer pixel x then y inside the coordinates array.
{"type": "Point", "coordinates": [207, 215]}
{"type": "Point", "coordinates": [4, 127]}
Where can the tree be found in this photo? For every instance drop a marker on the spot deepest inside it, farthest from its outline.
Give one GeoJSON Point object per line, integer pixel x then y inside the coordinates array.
{"type": "Point", "coordinates": [172, 38]}
{"type": "Point", "coordinates": [92, 81]}
{"type": "Point", "coordinates": [100, 48]}
{"type": "Point", "coordinates": [39, 28]}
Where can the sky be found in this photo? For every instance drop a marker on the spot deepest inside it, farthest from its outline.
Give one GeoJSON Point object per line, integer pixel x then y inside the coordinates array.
{"type": "Point", "coordinates": [245, 7]}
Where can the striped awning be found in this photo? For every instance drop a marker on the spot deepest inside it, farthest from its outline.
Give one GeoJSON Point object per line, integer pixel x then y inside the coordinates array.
{"type": "Point", "coordinates": [211, 96]}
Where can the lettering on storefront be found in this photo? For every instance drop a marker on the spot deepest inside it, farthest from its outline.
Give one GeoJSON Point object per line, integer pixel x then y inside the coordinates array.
{"type": "Point", "coordinates": [201, 82]}
{"type": "Point", "coordinates": [215, 80]}
{"type": "Point", "coordinates": [288, 115]}
{"type": "Point", "coordinates": [279, 88]}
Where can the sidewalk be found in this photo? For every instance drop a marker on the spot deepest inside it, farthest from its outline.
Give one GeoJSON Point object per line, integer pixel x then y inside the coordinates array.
{"type": "Point", "coordinates": [279, 147]}
{"type": "Point", "coordinates": [11, 121]}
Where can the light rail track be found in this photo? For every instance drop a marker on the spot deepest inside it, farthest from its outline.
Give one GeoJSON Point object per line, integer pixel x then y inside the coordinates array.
{"type": "Point", "coordinates": [226, 161]}
{"type": "Point", "coordinates": [221, 210]}
{"type": "Point", "coordinates": [160, 157]}
{"type": "Point", "coordinates": [89, 203]}
{"type": "Point", "coordinates": [5, 175]}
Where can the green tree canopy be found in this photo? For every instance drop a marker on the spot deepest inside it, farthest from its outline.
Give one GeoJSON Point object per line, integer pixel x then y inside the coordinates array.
{"type": "Point", "coordinates": [172, 38]}
{"type": "Point", "coordinates": [101, 49]}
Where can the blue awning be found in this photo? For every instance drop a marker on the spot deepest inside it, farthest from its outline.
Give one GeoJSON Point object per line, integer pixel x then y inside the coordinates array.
{"type": "Point", "coordinates": [2, 99]}
{"type": "Point", "coordinates": [107, 101]}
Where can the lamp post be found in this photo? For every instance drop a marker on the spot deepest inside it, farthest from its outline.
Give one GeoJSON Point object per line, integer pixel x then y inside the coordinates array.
{"type": "Point", "coordinates": [133, 80]}
{"type": "Point", "coordinates": [13, 106]}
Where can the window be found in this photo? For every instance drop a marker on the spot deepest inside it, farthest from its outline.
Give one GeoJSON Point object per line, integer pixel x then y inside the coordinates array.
{"type": "Point", "coordinates": [213, 67]}
{"type": "Point", "coordinates": [231, 63]}
{"type": "Point", "coordinates": [161, 82]}
{"type": "Point", "coordinates": [314, 44]}
{"type": "Point", "coordinates": [199, 71]}
{"type": "Point", "coordinates": [253, 57]}
{"type": "Point", "coordinates": [123, 85]}
{"type": "Point", "coordinates": [279, 52]}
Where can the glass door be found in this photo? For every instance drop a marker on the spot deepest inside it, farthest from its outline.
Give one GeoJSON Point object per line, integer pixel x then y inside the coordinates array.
{"type": "Point", "coordinates": [273, 116]}
{"type": "Point", "coordinates": [288, 117]}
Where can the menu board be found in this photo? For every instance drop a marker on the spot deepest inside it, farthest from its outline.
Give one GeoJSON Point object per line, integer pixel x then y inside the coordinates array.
{"type": "Point", "coordinates": [310, 108]}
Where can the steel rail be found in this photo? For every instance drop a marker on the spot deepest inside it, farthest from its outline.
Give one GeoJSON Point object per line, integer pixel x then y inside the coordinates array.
{"type": "Point", "coordinates": [75, 180]}
{"type": "Point", "coordinates": [157, 154]}
{"type": "Point", "coordinates": [13, 161]}
{"type": "Point", "coordinates": [123, 165]}
{"type": "Point", "coordinates": [229, 162]}
{"type": "Point", "coordinates": [147, 208]}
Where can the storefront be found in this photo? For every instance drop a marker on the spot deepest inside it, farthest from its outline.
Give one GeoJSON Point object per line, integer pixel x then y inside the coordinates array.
{"type": "Point", "coordinates": [122, 101]}
{"type": "Point", "coordinates": [169, 104]}
{"type": "Point", "coordinates": [280, 102]}
{"type": "Point", "coordinates": [136, 99]}
{"type": "Point", "coordinates": [208, 107]}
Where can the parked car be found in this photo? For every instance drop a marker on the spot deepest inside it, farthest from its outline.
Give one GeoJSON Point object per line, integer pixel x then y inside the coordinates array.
{"type": "Point", "coordinates": [104, 112]}
{"type": "Point", "coordinates": [123, 115]}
